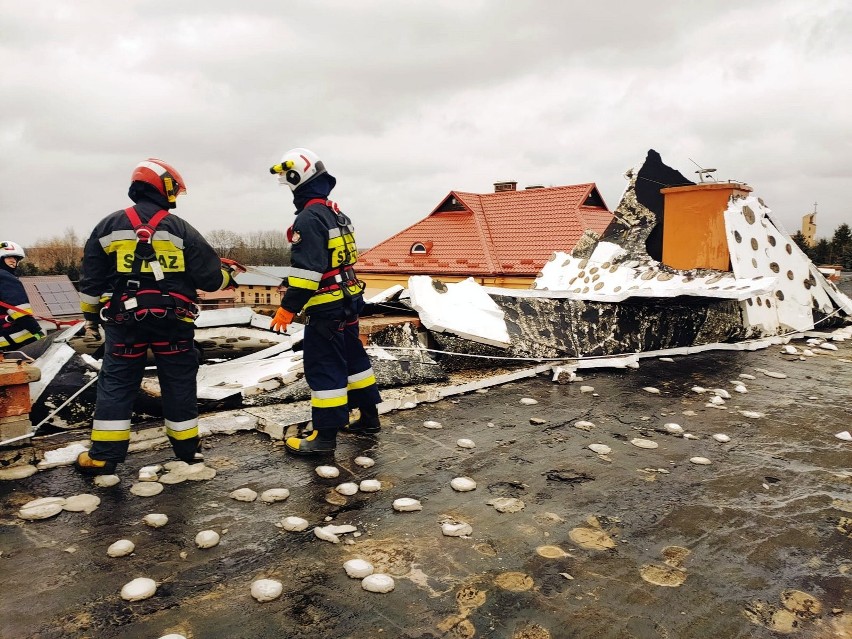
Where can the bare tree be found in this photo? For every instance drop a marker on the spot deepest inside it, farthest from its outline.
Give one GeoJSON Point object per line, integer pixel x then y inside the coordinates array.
{"type": "Point", "coordinates": [58, 254]}
{"type": "Point", "coordinates": [269, 248]}
{"type": "Point", "coordinates": [225, 243]}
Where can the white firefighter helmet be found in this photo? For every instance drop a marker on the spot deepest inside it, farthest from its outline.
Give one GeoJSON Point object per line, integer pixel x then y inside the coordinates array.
{"type": "Point", "coordinates": [297, 167]}
{"type": "Point", "coordinates": [11, 249]}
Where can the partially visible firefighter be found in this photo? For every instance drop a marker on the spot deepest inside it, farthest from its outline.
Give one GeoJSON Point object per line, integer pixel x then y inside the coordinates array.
{"type": "Point", "coordinates": [18, 326]}
{"type": "Point", "coordinates": [323, 284]}
{"type": "Point", "coordinates": [142, 267]}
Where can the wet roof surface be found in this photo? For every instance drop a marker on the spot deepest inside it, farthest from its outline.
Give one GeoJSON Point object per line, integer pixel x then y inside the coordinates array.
{"type": "Point", "coordinates": [770, 514]}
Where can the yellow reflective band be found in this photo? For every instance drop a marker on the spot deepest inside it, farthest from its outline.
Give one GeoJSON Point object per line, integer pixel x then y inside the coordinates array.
{"type": "Point", "coordinates": [362, 383]}
{"type": "Point", "coordinates": [21, 310]}
{"type": "Point", "coordinates": [89, 308]}
{"type": "Point", "coordinates": [24, 336]}
{"type": "Point", "coordinates": [300, 282]}
{"type": "Point", "coordinates": [330, 402]}
{"type": "Point", "coordinates": [183, 434]}
{"type": "Point", "coordinates": [110, 435]}
{"type": "Point", "coordinates": [169, 256]}
{"type": "Point", "coordinates": [324, 298]}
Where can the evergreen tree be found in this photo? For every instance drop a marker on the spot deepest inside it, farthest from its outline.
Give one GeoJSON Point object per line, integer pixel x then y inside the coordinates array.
{"type": "Point", "coordinates": [26, 267]}
{"type": "Point", "coordinates": [800, 241]}
{"type": "Point", "coordinates": [821, 252]}
{"type": "Point", "coordinates": [841, 245]}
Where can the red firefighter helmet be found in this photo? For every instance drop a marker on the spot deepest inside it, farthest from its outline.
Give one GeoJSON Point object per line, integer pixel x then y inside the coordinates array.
{"type": "Point", "coordinates": [162, 176]}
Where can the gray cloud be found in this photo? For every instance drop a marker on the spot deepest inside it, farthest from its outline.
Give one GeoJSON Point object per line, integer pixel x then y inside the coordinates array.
{"type": "Point", "coordinates": [407, 101]}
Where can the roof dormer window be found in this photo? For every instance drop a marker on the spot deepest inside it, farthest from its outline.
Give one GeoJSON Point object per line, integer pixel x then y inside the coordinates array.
{"type": "Point", "coordinates": [451, 204]}
{"type": "Point", "coordinates": [420, 248]}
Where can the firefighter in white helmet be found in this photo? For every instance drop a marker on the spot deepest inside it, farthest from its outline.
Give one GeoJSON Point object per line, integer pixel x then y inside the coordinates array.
{"type": "Point", "coordinates": [18, 327]}
{"type": "Point", "coordinates": [142, 268]}
{"type": "Point", "coordinates": [323, 284]}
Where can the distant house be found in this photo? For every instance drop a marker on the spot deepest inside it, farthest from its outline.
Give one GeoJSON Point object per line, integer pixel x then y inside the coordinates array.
{"type": "Point", "coordinates": [260, 286]}
{"type": "Point", "coordinates": [216, 299]}
{"type": "Point", "coordinates": [500, 239]}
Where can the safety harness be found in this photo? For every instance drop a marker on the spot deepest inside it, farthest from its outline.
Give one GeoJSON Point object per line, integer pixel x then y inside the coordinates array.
{"type": "Point", "coordinates": [132, 302]}
{"type": "Point", "coordinates": [343, 277]}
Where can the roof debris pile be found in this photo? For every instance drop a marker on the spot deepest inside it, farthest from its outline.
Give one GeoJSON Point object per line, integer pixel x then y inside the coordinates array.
{"type": "Point", "coordinates": [611, 302]}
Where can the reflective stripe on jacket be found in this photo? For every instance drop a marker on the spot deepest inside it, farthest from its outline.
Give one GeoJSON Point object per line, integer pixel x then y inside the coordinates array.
{"type": "Point", "coordinates": [320, 245]}
{"type": "Point", "coordinates": [19, 327]}
{"type": "Point", "coordinates": [188, 262]}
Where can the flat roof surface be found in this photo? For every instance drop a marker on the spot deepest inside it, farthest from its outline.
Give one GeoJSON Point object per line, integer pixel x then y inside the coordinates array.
{"type": "Point", "coordinates": [583, 557]}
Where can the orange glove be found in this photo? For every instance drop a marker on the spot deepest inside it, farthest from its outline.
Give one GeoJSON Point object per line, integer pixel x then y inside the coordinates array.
{"type": "Point", "coordinates": [281, 320]}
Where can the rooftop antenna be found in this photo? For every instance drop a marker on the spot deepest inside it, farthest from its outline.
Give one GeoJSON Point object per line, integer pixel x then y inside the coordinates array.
{"type": "Point", "coordinates": [703, 173]}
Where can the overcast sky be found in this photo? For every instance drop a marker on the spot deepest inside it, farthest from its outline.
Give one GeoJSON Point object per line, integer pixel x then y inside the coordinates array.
{"type": "Point", "coordinates": [407, 100]}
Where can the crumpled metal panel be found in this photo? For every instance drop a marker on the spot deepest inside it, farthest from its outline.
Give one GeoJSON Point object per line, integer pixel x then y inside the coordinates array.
{"type": "Point", "coordinates": [801, 295]}
{"type": "Point", "coordinates": [438, 306]}
{"type": "Point", "coordinates": [553, 328]}
{"type": "Point", "coordinates": [411, 365]}
{"type": "Point", "coordinates": [602, 279]}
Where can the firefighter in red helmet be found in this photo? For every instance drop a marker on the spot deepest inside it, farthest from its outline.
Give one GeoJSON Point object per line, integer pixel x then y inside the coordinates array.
{"type": "Point", "coordinates": [142, 267]}
{"type": "Point", "coordinates": [322, 282]}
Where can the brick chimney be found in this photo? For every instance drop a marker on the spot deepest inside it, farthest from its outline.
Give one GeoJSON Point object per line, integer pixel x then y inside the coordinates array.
{"type": "Point", "coordinates": [15, 378]}
{"type": "Point", "coordinates": [499, 187]}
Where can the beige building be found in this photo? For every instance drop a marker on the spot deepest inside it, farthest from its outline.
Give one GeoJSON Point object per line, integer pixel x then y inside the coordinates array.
{"type": "Point", "coordinates": [259, 287]}
{"type": "Point", "coordinates": [809, 227]}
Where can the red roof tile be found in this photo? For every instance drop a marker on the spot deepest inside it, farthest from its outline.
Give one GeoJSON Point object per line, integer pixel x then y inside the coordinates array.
{"type": "Point", "coordinates": [510, 231]}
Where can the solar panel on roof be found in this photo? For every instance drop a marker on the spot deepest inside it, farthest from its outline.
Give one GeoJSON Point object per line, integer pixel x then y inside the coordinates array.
{"type": "Point", "coordinates": [61, 298]}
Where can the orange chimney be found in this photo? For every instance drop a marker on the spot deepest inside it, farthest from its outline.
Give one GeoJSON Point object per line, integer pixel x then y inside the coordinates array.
{"type": "Point", "coordinates": [694, 224]}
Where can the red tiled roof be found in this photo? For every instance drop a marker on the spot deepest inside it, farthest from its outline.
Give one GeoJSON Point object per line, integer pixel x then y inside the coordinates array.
{"type": "Point", "coordinates": [511, 232]}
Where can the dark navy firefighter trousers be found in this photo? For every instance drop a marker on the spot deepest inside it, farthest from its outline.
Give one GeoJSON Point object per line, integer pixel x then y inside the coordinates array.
{"type": "Point", "coordinates": [125, 355]}
{"type": "Point", "coordinates": [337, 367]}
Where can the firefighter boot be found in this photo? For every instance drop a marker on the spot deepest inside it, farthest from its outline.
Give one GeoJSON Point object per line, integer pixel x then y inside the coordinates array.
{"type": "Point", "coordinates": [89, 466]}
{"type": "Point", "coordinates": [188, 450]}
{"type": "Point", "coordinates": [313, 444]}
{"type": "Point", "coordinates": [367, 424]}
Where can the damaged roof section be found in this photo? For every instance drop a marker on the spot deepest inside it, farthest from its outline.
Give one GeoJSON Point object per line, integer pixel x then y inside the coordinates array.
{"type": "Point", "coordinates": [779, 288]}
{"type": "Point", "coordinates": [609, 302]}
{"type": "Point", "coordinates": [746, 280]}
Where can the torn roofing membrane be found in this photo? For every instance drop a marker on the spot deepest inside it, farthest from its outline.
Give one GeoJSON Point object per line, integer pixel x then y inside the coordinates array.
{"type": "Point", "coordinates": [609, 302]}
{"type": "Point", "coordinates": [777, 288]}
